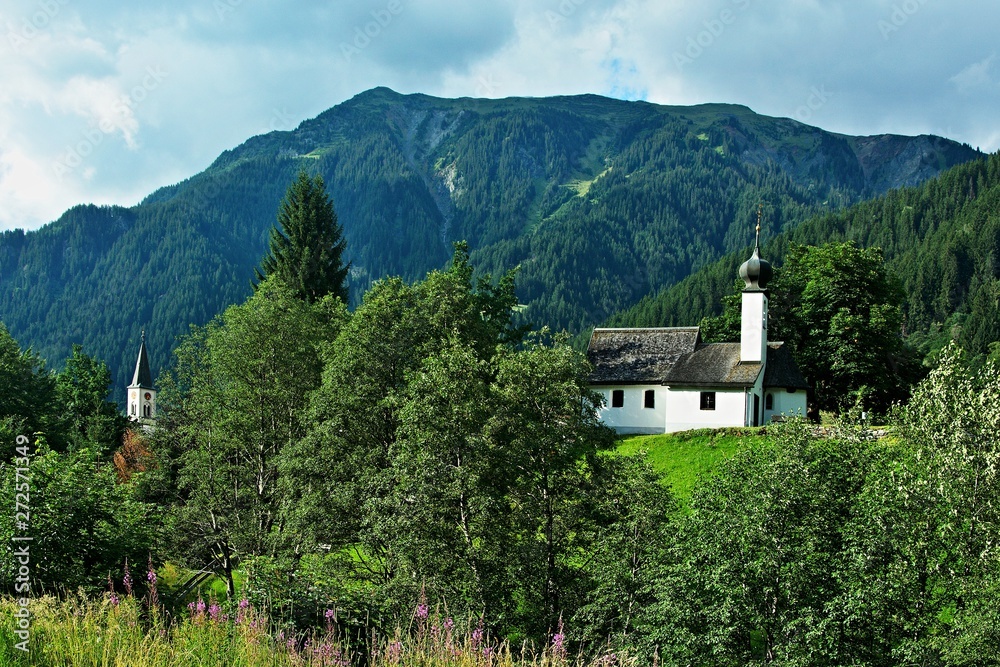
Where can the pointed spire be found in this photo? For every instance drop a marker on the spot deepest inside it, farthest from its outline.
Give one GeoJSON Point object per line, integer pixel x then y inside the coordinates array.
{"type": "Point", "coordinates": [756, 272]}
{"type": "Point", "coordinates": [142, 377]}
{"type": "Point", "coordinates": [756, 241]}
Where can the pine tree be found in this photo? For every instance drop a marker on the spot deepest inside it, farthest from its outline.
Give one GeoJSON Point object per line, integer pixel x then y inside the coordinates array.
{"type": "Point", "coordinates": [306, 252]}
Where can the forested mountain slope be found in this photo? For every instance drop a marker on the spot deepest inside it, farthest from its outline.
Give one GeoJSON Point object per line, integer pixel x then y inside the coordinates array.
{"type": "Point", "coordinates": [941, 239]}
{"type": "Point", "coordinates": [599, 201]}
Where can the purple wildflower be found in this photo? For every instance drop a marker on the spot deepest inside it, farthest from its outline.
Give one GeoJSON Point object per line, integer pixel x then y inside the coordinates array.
{"type": "Point", "coordinates": [200, 606]}
{"type": "Point", "coordinates": [422, 610]}
{"type": "Point", "coordinates": [111, 590]}
{"type": "Point", "coordinates": [214, 611]}
{"type": "Point", "coordinates": [395, 651]}
{"type": "Point", "coordinates": [558, 643]}
{"type": "Point", "coordinates": [127, 579]}
{"type": "Point", "coordinates": [244, 607]}
{"type": "Point", "coordinates": [154, 599]}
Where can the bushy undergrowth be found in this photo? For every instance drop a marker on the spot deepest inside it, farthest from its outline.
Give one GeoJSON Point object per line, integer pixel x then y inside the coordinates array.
{"type": "Point", "coordinates": [114, 631]}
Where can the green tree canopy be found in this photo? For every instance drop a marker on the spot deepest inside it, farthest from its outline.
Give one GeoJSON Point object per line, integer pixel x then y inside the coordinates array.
{"type": "Point", "coordinates": [307, 246]}
{"type": "Point", "coordinates": [82, 397]}
{"type": "Point", "coordinates": [27, 393]}
{"type": "Point", "coordinates": [839, 310]}
{"type": "Point", "coordinates": [231, 404]}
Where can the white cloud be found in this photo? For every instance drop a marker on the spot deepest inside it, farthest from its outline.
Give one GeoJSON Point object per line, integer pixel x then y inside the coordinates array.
{"type": "Point", "coordinates": [152, 93]}
{"type": "Point", "coordinates": [976, 76]}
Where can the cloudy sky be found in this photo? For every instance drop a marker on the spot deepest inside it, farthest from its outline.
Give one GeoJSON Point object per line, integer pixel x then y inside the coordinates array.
{"type": "Point", "coordinates": [105, 101]}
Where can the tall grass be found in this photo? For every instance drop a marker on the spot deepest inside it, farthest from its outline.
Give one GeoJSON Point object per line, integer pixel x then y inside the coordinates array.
{"type": "Point", "coordinates": [127, 632]}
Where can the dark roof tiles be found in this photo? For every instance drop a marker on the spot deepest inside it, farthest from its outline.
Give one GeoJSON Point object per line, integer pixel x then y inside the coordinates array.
{"type": "Point", "coordinates": [676, 356]}
{"type": "Point", "coordinates": [715, 365]}
{"type": "Point", "coordinates": [638, 356]}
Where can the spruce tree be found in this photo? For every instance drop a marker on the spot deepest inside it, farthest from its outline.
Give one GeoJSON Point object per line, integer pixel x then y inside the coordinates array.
{"type": "Point", "coordinates": [306, 247]}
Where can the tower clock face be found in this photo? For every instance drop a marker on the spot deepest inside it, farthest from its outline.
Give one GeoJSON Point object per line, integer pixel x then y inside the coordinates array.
{"type": "Point", "coordinates": [148, 396]}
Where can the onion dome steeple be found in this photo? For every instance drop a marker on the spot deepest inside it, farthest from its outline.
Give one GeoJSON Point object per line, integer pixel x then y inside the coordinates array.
{"type": "Point", "coordinates": [756, 272]}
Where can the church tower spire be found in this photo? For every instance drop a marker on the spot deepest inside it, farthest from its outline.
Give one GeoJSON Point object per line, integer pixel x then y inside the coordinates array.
{"type": "Point", "coordinates": [141, 394]}
{"type": "Point", "coordinates": [756, 273]}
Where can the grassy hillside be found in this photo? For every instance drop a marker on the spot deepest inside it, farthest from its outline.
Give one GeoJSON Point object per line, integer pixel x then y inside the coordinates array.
{"type": "Point", "coordinates": [684, 458]}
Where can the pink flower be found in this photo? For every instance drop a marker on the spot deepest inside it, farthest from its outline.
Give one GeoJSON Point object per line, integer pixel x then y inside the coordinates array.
{"type": "Point", "coordinates": [127, 579]}
{"type": "Point", "coordinates": [558, 643]}
{"type": "Point", "coordinates": [422, 611]}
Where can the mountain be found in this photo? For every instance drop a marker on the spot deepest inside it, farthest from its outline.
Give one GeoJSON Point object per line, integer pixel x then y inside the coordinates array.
{"type": "Point", "coordinates": [941, 239]}
{"type": "Point", "coordinates": [599, 201]}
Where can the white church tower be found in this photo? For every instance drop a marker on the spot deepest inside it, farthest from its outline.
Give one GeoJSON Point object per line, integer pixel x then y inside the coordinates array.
{"type": "Point", "coordinates": [141, 395]}
{"type": "Point", "coordinates": [756, 273]}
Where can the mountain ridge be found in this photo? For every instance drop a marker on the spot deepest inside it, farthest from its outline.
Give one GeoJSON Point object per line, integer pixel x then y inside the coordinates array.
{"type": "Point", "coordinates": [599, 201]}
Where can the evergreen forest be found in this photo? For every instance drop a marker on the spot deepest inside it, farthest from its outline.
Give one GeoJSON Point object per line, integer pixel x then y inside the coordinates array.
{"type": "Point", "coordinates": [939, 242]}
{"type": "Point", "coordinates": [599, 202]}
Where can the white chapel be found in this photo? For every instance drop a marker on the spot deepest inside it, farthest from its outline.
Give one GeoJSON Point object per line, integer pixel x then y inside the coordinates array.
{"type": "Point", "coordinates": [661, 380]}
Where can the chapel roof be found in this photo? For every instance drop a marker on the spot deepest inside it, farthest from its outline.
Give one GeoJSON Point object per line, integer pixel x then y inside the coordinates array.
{"type": "Point", "coordinates": [713, 365]}
{"type": "Point", "coordinates": [638, 356]}
{"type": "Point", "coordinates": [782, 371]}
{"type": "Point", "coordinates": [676, 356]}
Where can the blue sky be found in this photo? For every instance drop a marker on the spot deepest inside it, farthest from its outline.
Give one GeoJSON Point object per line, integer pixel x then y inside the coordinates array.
{"type": "Point", "coordinates": [103, 102]}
